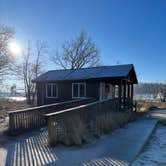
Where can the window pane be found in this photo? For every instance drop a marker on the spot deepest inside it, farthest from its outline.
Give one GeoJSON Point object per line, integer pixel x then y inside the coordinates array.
{"type": "Point", "coordinates": [75, 90]}
{"type": "Point", "coordinates": [48, 90]}
{"type": "Point", "coordinates": [82, 90]}
{"type": "Point", "coordinates": [54, 92]}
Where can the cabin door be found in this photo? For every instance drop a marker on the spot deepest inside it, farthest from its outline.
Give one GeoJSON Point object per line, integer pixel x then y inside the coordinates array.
{"type": "Point", "coordinates": [106, 91]}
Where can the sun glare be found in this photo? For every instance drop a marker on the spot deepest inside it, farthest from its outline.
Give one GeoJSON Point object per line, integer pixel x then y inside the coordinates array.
{"type": "Point", "coordinates": [14, 48]}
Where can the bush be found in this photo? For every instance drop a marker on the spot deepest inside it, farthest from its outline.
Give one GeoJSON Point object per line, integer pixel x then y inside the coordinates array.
{"type": "Point", "coordinates": [112, 120]}
{"type": "Point", "coordinates": [76, 132]}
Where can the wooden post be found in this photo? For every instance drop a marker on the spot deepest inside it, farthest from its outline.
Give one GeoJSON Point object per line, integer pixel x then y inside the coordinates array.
{"type": "Point", "coordinates": [124, 93]}
{"type": "Point", "coordinates": [11, 123]}
{"type": "Point", "coordinates": [128, 92]}
{"type": "Point", "coordinates": [120, 95]}
{"type": "Point", "coordinates": [51, 121]}
{"type": "Point", "coordinates": [132, 93]}
{"type": "Point", "coordinates": [113, 91]}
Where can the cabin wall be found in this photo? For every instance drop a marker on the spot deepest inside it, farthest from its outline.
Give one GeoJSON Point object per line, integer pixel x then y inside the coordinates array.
{"type": "Point", "coordinates": [92, 90]}
{"type": "Point", "coordinates": [65, 92]}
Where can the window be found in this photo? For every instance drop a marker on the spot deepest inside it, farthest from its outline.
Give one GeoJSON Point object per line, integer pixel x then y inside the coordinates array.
{"type": "Point", "coordinates": [106, 91]}
{"type": "Point", "coordinates": [51, 90]}
{"type": "Point", "coordinates": [78, 90]}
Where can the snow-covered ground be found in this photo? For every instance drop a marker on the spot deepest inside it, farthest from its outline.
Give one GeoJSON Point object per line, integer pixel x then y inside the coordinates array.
{"type": "Point", "coordinates": [31, 149]}
{"type": "Point", "coordinates": [14, 98]}
{"type": "Point", "coordinates": [154, 153]}
{"type": "Point", "coordinates": [116, 149]}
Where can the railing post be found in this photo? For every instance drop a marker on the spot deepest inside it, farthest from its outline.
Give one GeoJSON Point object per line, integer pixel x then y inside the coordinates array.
{"type": "Point", "coordinates": [128, 93]}
{"type": "Point", "coordinates": [124, 93]}
{"type": "Point", "coordinates": [132, 93]}
{"type": "Point", "coordinates": [51, 130]}
{"type": "Point", "coordinates": [11, 123]}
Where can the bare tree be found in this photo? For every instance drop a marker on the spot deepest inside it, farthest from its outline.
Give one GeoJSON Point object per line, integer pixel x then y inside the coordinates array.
{"type": "Point", "coordinates": [40, 51]}
{"type": "Point", "coordinates": [77, 53]}
{"type": "Point", "coordinates": [30, 67]}
{"type": "Point", "coordinates": [6, 34]}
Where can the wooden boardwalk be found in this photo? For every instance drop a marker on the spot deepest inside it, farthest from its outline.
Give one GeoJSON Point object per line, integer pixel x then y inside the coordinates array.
{"type": "Point", "coordinates": [106, 161]}
{"type": "Point", "coordinates": [30, 151]}
{"type": "Point", "coordinates": [118, 149]}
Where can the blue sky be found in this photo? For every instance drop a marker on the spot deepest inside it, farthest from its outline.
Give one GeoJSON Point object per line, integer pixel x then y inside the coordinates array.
{"type": "Point", "coordinates": [128, 31]}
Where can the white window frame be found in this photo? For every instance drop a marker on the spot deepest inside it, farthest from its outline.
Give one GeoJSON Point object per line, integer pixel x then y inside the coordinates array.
{"type": "Point", "coordinates": [78, 83]}
{"type": "Point", "coordinates": [52, 84]}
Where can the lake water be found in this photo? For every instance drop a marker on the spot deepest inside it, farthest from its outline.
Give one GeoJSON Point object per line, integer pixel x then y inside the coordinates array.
{"type": "Point", "coordinates": [154, 153]}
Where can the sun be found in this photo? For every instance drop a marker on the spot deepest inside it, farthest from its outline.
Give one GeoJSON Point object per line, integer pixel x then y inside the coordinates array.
{"type": "Point", "coordinates": [14, 48]}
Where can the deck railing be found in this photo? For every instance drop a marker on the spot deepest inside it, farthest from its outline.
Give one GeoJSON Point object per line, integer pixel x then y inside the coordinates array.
{"type": "Point", "coordinates": [69, 124]}
{"type": "Point", "coordinates": [31, 118]}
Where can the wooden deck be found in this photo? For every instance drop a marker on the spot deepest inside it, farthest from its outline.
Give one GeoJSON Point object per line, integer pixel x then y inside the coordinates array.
{"type": "Point", "coordinates": [68, 122]}
{"type": "Point", "coordinates": [32, 118]}
{"type": "Point", "coordinates": [74, 123]}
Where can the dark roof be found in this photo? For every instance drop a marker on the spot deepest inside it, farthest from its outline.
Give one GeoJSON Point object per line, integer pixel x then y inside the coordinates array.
{"type": "Point", "coordinates": [117, 71]}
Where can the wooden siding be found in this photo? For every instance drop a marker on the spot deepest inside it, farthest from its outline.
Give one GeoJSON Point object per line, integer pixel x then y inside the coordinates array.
{"type": "Point", "coordinates": [65, 92]}
{"type": "Point", "coordinates": [92, 90]}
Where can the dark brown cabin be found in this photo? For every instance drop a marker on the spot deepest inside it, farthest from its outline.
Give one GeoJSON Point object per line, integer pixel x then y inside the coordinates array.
{"type": "Point", "coordinates": [98, 82]}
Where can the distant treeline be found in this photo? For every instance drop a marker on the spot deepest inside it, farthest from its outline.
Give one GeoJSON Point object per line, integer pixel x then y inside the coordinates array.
{"type": "Point", "coordinates": [150, 88]}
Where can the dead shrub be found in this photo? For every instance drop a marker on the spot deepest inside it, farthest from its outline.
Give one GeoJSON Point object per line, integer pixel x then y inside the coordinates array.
{"type": "Point", "coordinates": [75, 131]}
{"type": "Point", "coordinates": [107, 122]}
{"type": "Point", "coordinates": [112, 120]}
{"type": "Point", "coordinates": [144, 106]}
{"type": "Point", "coordinates": [122, 118]}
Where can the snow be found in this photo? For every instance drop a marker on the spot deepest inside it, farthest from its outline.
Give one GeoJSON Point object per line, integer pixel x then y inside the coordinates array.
{"type": "Point", "coordinates": [15, 98]}
{"type": "Point", "coordinates": [116, 149]}
{"type": "Point", "coordinates": [154, 153]}
{"type": "Point", "coordinates": [32, 149]}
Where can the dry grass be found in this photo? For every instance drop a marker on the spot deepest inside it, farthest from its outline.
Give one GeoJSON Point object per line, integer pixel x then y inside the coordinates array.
{"type": "Point", "coordinates": [112, 120]}
{"type": "Point", "coordinates": [77, 132]}
{"type": "Point", "coordinates": [144, 106]}
{"type": "Point", "coordinates": [5, 106]}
